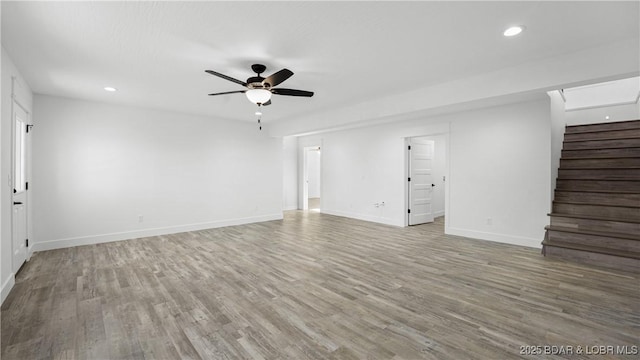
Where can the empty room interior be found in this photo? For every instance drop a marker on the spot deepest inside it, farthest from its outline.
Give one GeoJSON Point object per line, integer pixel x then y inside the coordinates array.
{"type": "Point", "coordinates": [320, 180]}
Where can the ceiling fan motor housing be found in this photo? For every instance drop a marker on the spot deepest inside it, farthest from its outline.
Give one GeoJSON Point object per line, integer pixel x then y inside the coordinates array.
{"type": "Point", "coordinates": [255, 82]}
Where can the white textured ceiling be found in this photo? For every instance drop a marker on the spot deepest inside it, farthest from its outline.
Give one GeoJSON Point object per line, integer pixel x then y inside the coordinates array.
{"type": "Point", "coordinates": [155, 53]}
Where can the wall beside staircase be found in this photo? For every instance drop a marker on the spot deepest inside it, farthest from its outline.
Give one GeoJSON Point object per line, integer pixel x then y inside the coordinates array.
{"type": "Point", "coordinates": [598, 114]}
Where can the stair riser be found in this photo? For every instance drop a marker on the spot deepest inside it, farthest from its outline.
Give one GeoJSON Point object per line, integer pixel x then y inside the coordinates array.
{"type": "Point", "coordinates": [599, 198]}
{"type": "Point", "coordinates": [622, 213]}
{"type": "Point", "coordinates": [594, 240]}
{"type": "Point", "coordinates": [612, 126]}
{"type": "Point", "coordinates": [600, 163]}
{"type": "Point", "coordinates": [596, 225]}
{"type": "Point", "coordinates": [587, 185]}
{"type": "Point", "coordinates": [611, 134]}
{"type": "Point", "coordinates": [589, 258]}
{"type": "Point", "coordinates": [601, 144]}
{"type": "Point", "coordinates": [617, 153]}
{"type": "Point", "coordinates": [599, 174]}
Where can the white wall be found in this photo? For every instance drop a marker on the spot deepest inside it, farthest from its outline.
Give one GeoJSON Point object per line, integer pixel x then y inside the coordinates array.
{"type": "Point", "coordinates": [290, 173]}
{"type": "Point", "coordinates": [558, 123]}
{"type": "Point", "coordinates": [599, 114]}
{"type": "Point", "coordinates": [98, 168]}
{"type": "Point", "coordinates": [25, 97]}
{"type": "Point", "coordinates": [603, 102]}
{"type": "Point", "coordinates": [623, 91]}
{"type": "Point", "coordinates": [313, 173]}
{"type": "Point", "coordinates": [499, 169]}
{"type": "Point", "coordinates": [438, 170]}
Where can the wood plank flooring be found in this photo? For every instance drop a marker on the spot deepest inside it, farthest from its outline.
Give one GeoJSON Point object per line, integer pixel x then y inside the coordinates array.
{"type": "Point", "coordinates": [312, 286]}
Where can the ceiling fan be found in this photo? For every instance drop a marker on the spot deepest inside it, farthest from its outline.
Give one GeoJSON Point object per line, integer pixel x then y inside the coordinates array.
{"type": "Point", "coordinates": [259, 89]}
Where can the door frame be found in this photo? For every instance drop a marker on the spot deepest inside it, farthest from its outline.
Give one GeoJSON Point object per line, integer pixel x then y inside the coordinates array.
{"type": "Point", "coordinates": [16, 103]}
{"type": "Point", "coordinates": [447, 172]}
{"type": "Point", "coordinates": [305, 176]}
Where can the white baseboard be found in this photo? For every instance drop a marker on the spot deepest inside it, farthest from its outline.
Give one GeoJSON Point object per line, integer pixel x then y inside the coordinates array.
{"type": "Point", "coordinates": [438, 213]}
{"type": "Point", "coordinates": [102, 238]}
{"type": "Point", "coordinates": [501, 238]}
{"type": "Point", "coordinates": [376, 219]}
{"type": "Point", "coordinates": [290, 207]}
{"type": "Point", "coordinates": [7, 286]}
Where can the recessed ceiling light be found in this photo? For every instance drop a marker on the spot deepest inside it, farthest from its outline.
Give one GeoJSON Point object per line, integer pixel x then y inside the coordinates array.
{"type": "Point", "coordinates": [514, 30]}
{"type": "Point", "coordinates": [606, 117]}
{"type": "Point", "coordinates": [109, 88]}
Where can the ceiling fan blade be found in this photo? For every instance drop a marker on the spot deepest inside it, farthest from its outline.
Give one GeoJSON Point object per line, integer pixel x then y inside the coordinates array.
{"type": "Point", "coordinates": [228, 92]}
{"type": "Point", "coordinates": [267, 103]}
{"type": "Point", "coordinates": [278, 77]}
{"type": "Point", "coordinates": [292, 92]}
{"type": "Point", "coordinates": [226, 77]}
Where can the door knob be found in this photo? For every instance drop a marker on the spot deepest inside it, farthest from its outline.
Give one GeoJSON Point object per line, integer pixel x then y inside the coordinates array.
{"type": "Point", "coordinates": [432, 185]}
{"type": "Point", "coordinates": [17, 203]}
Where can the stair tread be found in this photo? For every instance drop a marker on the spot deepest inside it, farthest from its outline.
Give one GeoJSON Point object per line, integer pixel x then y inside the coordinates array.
{"type": "Point", "coordinates": [565, 155]}
{"type": "Point", "coordinates": [593, 131]}
{"type": "Point", "coordinates": [589, 217]}
{"type": "Point", "coordinates": [600, 168]}
{"type": "Point", "coordinates": [630, 192]}
{"type": "Point", "coordinates": [602, 191]}
{"type": "Point", "coordinates": [599, 157]}
{"type": "Point", "coordinates": [571, 178]}
{"type": "Point", "coordinates": [570, 129]}
{"type": "Point", "coordinates": [593, 204]}
{"type": "Point", "coordinates": [593, 249]}
{"type": "Point", "coordinates": [612, 234]}
{"type": "Point", "coordinates": [603, 139]}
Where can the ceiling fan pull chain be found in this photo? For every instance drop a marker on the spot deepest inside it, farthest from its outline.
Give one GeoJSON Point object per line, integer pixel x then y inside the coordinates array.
{"type": "Point", "coordinates": [259, 114]}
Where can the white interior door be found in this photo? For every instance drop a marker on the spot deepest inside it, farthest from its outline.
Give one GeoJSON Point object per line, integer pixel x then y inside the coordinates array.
{"type": "Point", "coordinates": [420, 181]}
{"type": "Point", "coordinates": [20, 186]}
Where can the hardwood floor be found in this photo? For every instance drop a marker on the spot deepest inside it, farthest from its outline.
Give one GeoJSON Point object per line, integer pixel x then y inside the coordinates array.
{"type": "Point", "coordinates": [312, 286]}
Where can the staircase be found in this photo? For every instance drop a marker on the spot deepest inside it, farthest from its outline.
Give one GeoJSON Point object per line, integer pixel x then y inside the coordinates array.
{"type": "Point", "coordinates": [595, 217]}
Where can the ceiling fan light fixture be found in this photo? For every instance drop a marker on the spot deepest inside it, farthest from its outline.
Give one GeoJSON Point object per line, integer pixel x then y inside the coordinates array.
{"type": "Point", "coordinates": [258, 96]}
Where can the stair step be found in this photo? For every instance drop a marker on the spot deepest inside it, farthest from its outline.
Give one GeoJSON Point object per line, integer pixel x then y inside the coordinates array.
{"type": "Point", "coordinates": [602, 211]}
{"type": "Point", "coordinates": [592, 248]}
{"type": "Point", "coordinates": [626, 186]}
{"type": "Point", "coordinates": [600, 173]}
{"type": "Point", "coordinates": [635, 237]}
{"type": "Point", "coordinates": [594, 223]}
{"type": "Point", "coordinates": [601, 153]}
{"type": "Point", "coordinates": [617, 125]}
{"type": "Point", "coordinates": [603, 162]}
{"type": "Point", "coordinates": [604, 198]}
{"type": "Point", "coordinates": [601, 144]}
{"type": "Point", "coordinates": [604, 243]}
{"type": "Point", "coordinates": [591, 256]}
{"type": "Point", "coordinates": [602, 135]}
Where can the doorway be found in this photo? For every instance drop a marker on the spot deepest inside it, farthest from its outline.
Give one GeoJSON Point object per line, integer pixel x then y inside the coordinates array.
{"type": "Point", "coordinates": [19, 225]}
{"type": "Point", "coordinates": [426, 173]}
{"type": "Point", "coordinates": [312, 178]}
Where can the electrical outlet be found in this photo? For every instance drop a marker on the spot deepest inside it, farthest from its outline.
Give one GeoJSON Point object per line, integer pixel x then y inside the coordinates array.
{"type": "Point", "coordinates": [140, 218]}
{"type": "Point", "coordinates": [489, 221]}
